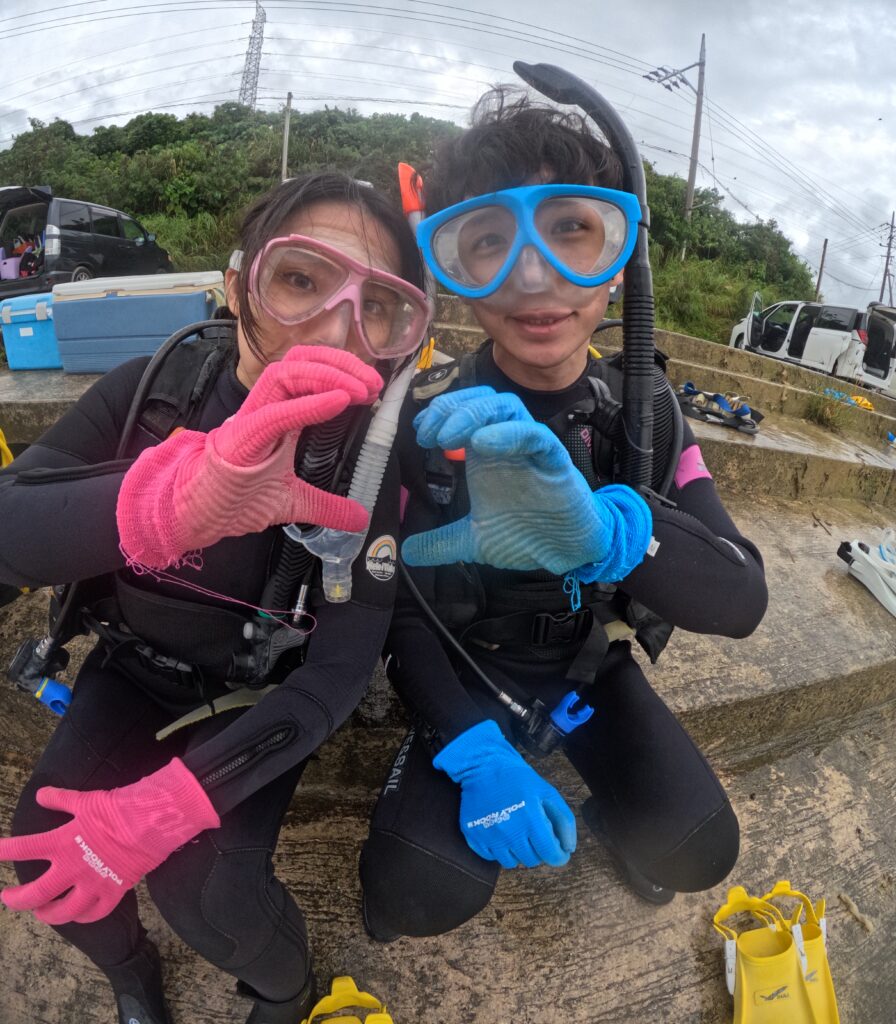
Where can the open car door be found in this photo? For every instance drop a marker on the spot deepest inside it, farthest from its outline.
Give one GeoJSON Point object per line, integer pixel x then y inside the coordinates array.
{"type": "Point", "coordinates": [754, 321]}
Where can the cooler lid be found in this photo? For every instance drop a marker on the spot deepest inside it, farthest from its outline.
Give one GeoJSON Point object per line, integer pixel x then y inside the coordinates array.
{"type": "Point", "coordinates": [37, 305]}
{"type": "Point", "coordinates": [145, 284]}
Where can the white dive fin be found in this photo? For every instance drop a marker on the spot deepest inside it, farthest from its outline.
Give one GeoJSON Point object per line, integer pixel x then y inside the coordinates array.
{"type": "Point", "coordinates": [874, 567]}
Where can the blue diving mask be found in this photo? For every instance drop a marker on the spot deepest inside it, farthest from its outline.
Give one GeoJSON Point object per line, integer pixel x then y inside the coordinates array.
{"type": "Point", "coordinates": [584, 233]}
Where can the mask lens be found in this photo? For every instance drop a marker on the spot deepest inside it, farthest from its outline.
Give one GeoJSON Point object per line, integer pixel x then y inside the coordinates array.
{"type": "Point", "coordinates": [585, 234]}
{"type": "Point", "coordinates": [294, 283]}
{"type": "Point", "coordinates": [473, 247]}
{"type": "Point", "coordinates": [388, 319]}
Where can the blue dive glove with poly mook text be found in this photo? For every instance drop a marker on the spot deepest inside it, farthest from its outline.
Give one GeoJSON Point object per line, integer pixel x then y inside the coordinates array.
{"type": "Point", "coordinates": [508, 812]}
{"type": "Point", "coordinates": [530, 508]}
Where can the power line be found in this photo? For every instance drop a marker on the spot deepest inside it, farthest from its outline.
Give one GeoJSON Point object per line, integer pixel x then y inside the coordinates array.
{"type": "Point", "coordinates": [463, 24]}
{"type": "Point", "coordinates": [848, 284]}
{"type": "Point", "coordinates": [616, 61]}
{"type": "Point", "coordinates": [368, 99]}
{"type": "Point", "coordinates": [70, 21]}
{"type": "Point", "coordinates": [140, 74]}
{"type": "Point", "coordinates": [626, 64]}
{"type": "Point", "coordinates": [52, 10]}
{"type": "Point", "coordinates": [143, 110]}
{"type": "Point", "coordinates": [632, 61]}
{"type": "Point", "coordinates": [216, 96]}
{"type": "Point", "coordinates": [368, 81]}
{"type": "Point", "coordinates": [119, 49]}
{"type": "Point", "coordinates": [812, 187]}
{"type": "Point", "coordinates": [372, 63]}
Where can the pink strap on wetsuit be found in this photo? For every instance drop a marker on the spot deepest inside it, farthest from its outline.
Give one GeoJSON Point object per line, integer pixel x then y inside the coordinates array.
{"type": "Point", "coordinates": [113, 839]}
{"type": "Point", "coordinates": [691, 467]}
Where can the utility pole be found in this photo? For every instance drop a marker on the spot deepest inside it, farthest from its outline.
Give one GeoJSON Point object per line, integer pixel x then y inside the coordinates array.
{"type": "Point", "coordinates": [674, 78]}
{"type": "Point", "coordinates": [887, 263]}
{"type": "Point", "coordinates": [695, 142]}
{"type": "Point", "coordinates": [286, 137]}
{"type": "Point", "coordinates": [824, 252]}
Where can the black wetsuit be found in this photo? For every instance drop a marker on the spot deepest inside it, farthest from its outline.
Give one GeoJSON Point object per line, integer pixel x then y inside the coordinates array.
{"type": "Point", "coordinates": [219, 893]}
{"type": "Point", "coordinates": [657, 799]}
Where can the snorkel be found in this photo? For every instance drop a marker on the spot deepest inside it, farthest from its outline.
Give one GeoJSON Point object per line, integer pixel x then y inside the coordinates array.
{"type": "Point", "coordinates": [338, 549]}
{"type": "Point", "coordinates": [636, 446]}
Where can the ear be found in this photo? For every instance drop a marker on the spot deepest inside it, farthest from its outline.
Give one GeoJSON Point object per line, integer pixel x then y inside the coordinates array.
{"type": "Point", "coordinates": [617, 280]}
{"type": "Point", "coordinates": [230, 290]}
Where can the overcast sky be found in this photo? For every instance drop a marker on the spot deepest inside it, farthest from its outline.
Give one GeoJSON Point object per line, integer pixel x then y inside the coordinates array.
{"type": "Point", "coordinates": [799, 124]}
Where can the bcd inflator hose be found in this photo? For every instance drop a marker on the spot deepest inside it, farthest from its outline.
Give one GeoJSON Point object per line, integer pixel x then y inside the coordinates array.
{"type": "Point", "coordinates": [636, 456]}
{"type": "Point", "coordinates": [337, 549]}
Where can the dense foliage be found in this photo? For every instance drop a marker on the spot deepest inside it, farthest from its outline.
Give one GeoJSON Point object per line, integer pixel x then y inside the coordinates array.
{"type": "Point", "coordinates": [188, 178]}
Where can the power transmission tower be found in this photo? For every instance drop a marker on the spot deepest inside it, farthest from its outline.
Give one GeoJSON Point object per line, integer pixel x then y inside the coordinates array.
{"type": "Point", "coordinates": [249, 83]}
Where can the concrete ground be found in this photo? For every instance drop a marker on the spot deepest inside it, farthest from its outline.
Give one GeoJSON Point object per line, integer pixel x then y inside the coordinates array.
{"type": "Point", "coordinates": [570, 945]}
{"type": "Point", "coordinates": [799, 720]}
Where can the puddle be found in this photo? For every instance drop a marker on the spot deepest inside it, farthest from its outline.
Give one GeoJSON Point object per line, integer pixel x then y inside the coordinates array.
{"type": "Point", "coordinates": [806, 438]}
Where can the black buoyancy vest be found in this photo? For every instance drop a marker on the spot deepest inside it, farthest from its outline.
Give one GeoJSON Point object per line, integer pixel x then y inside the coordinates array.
{"type": "Point", "coordinates": [483, 603]}
{"type": "Point", "coordinates": [211, 641]}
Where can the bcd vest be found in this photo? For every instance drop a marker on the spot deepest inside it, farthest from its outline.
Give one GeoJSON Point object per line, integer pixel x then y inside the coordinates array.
{"type": "Point", "coordinates": [530, 612]}
{"type": "Point", "coordinates": [212, 643]}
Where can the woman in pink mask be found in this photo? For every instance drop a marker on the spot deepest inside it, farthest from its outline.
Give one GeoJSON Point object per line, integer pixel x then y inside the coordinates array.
{"type": "Point", "coordinates": [218, 668]}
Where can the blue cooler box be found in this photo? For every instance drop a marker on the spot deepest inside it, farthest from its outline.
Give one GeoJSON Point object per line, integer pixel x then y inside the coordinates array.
{"type": "Point", "coordinates": [107, 321]}
{"type": "Point", "coordinates": [28, 335]}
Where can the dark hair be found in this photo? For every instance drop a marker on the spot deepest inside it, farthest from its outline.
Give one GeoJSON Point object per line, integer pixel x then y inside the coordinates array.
{"type": "Point", "coordinates": [265, 217]}
{"type": "Point", "coordinates": [512, 140]}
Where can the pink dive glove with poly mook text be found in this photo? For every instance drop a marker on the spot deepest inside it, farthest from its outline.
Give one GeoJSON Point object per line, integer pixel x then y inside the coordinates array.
{"type": "Point", "coordinates": [114, 838]}
{"type": "Point", "coordinates": [195, 488]}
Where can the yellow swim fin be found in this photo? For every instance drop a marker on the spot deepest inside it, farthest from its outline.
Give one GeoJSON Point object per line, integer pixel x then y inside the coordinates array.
{"type": "Point", "coordinates": [812, 936]}
{"type": "Point", "coordinates": [344, 995]}
{"type": "Point", "coordinates": [762, 965]}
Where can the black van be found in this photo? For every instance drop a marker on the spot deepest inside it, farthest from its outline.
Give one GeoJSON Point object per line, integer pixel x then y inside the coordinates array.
{"type": "Point", "coordinates": [70, 240]}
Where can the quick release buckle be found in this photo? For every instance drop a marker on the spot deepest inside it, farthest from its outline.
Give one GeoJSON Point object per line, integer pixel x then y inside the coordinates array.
{"type": "Point", "coordinates": [560, 627]}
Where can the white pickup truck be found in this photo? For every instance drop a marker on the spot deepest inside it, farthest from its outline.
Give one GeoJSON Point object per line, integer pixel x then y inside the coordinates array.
{"type": "Point", "coordinates": [856, 345]}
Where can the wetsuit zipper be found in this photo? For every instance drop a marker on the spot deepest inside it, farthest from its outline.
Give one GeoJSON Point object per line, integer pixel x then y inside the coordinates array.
{"type": "Point", "coordinates": [240, 760]}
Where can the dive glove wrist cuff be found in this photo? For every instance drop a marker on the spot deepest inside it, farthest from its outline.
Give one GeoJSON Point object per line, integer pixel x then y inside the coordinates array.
{"type": "Point", "coordinates": [631, 522]}
{"type": "Point", "coordinates": [468, 750]}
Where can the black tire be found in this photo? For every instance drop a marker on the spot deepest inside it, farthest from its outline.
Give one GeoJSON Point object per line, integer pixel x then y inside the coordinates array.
{"type": "Point", "coordinates": [739, 342]}
{"type": "Point", "coordinates": [82, 273]}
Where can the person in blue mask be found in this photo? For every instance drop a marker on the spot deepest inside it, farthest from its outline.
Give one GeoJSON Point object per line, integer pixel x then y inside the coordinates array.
{"type": "Point", "coordinates": [530, 566]}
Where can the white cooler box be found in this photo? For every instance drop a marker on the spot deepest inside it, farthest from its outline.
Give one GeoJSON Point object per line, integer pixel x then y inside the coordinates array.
{"type": "Point", "coordinates": [109, 320]}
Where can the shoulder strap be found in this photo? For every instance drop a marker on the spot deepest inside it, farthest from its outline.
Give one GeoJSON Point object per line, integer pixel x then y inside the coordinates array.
{"type": "Point", "coordinates": [435, 380]}
{"type": "Point", "coordinates": [667, 430]}
{"type": "Point", "coordinates": [184, 381]}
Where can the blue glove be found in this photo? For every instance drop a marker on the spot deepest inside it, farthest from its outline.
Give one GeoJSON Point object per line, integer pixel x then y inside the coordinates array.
{"type": "Point", "coordinates": [508, 812]}
{"type": "Point", "coordinates": [530, 508]}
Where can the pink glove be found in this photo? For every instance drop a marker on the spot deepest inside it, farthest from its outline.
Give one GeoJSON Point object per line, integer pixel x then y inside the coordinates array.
{"type": "Point", "coordinates": [115, 837]}
{"type": "Point", "coordinates": [193, 489]}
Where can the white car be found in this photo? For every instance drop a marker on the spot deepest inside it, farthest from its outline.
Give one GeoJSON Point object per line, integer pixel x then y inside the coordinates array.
{"type": "Point", "coordinates": [856, 345]}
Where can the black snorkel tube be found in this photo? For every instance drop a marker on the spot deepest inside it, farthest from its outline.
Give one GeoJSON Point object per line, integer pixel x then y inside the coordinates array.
{"type": "Point", "coordinates": [636, 451]}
